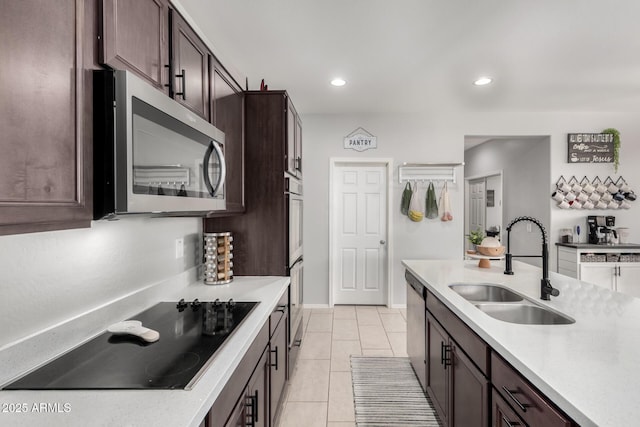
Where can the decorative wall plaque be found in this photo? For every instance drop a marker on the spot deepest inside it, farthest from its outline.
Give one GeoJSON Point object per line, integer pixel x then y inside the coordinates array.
{"type": "Point", "coordinates": [360, 140]}
{"type": "Point", "coordinates": [590, 148]}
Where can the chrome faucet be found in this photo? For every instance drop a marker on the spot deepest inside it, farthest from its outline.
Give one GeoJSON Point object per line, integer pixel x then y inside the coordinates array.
{"type": "Point", "coordinates": [545, 284]}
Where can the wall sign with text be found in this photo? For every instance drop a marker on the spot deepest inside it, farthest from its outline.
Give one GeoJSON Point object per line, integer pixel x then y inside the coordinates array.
{"type": "Point", "coordinates": [360, 140]}
{"type": "Point", "coordinates": [590, 148]}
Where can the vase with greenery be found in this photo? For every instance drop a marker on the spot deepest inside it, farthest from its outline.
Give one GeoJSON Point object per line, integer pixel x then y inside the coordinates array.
{"type": "Point", "coordinates": [616, 147]}
{"type": "Point", "coordinates": [475, 237]}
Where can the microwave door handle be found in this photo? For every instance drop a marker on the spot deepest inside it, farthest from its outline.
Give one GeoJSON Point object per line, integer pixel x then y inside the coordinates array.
{"type": "Point", "coordinates": [205, 167]}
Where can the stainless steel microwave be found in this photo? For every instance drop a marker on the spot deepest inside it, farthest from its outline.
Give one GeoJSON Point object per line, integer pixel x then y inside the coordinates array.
{"type": "Point", "coordinates": [151, 154]}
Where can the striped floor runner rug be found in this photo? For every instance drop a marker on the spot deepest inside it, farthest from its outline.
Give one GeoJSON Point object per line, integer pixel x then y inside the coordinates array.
{"type": "Point", "coordinates": [387, 393]}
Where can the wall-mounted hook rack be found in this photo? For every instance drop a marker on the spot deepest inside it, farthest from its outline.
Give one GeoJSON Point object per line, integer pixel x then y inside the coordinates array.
{"type": "Point", "coordinates": [428, 172]}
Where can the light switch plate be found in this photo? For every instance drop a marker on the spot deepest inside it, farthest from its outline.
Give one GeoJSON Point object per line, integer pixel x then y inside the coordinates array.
{"type": "Point", "coordinates": [179, 248]}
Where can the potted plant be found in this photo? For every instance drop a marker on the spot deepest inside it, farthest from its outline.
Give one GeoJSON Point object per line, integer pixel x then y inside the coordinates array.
{"type": "Point", "coordinates": [616, 147]}
{"type": "Point", "coordinates": [475, 238]}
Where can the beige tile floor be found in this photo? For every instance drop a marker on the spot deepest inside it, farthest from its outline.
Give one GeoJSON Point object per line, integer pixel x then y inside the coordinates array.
{"type": "Point", "coordinates": [320, 392]}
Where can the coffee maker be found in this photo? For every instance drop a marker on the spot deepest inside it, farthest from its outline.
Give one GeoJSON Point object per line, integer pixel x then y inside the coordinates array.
{"type": "Point", "coordinates": [600, 229]}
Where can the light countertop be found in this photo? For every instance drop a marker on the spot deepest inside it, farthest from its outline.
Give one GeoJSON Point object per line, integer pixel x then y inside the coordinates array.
{"type": "Point", "coordinates": [589, 368]}
{"type": "Point", "coordinates": [171, 408]}
{"type": "Point", "coordinates": [596, 247]}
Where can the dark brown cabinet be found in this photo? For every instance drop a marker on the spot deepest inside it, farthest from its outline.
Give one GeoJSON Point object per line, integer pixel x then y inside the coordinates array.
{"type": "Point", "coordinates": [459, 391]}
{"type": "Point", "coordinates": [469, 391]}
{"type": "Point", "coordinates": [457, 368]}
{"type": "Point", "coordinates": [45, 167]}
{"type": "Point", "coordinates": [503, 415]}
{"type": "Point", "coordinates": [135, 38]}
{"type": "Point", "coordinates": [438, 367]}
{"type": "Point", "coordinates": [525, 400]}
{"type": "Point", "coordinates": [227, 114]}
{"type": "Point", "coordinates": [261, 235]}
{"type": "Point", "coordinates": [189, 70]}
{"type": "Point", "coordinates": [469, 383]}
{"type": "Point", "coordinates": [257, 395]}
{"type": "Point", "coordinates": [293, 154]}
{"type": "Point", "coordinates": [278, 375]}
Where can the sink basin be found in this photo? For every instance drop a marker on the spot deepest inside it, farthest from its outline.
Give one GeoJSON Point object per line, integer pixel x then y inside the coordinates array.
{"type": "Point", "coordinates": [525, 314]}
{"type": "Point", "coordinates": [485, 292]}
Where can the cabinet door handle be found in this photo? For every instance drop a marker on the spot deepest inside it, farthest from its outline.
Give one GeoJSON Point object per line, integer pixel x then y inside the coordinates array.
{"type": "Point", "coordinates": [281, 308]}
{"type": "Point", "coordinates": [182, 76]}
{"type": "Point", "coordinates": [252, 404]}
{"type": "Point", "coordinates": [444, 359]}
{"type": "Point", "coordinates": [522, 406]}
{"type": "Point", "coordinates": [297, 343]}
{"type": "Point", "coordinates": [275, 365]}
{"type": "Point", "coordinates": [508, 423]}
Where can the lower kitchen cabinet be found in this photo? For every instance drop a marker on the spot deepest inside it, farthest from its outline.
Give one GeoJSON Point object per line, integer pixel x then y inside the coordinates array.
{"type": "Point", "coordinates": [469, 383]}
{"type": "Point", "coordinates": [437, 364]}
{"type": "Point", "coordinates": [252, 409]}
{"type": "Point", "coordinates": [278, 374]}
{"type": "Point", "coordinates": [619, 277]}
{"type": "Point", "coordinates": [457, 388]}
{"type": "Point", "coordinates": [503, 415]}
{"type": "Point", "coordinates": [527, 402]}
{"type": "Point", "coordinates": [469, 391]}
{"type": "Point", "coordinates": [254, 394]}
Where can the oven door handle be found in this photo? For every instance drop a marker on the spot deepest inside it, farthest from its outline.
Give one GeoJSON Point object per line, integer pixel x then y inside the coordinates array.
{"type": "Point", "coordinates": [213, 146]}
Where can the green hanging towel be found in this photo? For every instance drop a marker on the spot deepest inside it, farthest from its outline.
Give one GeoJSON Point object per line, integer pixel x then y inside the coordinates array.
{"type": "Point", "coordinates": [406, 199]}
{"type": "Point", "coordinates": [432, 205]}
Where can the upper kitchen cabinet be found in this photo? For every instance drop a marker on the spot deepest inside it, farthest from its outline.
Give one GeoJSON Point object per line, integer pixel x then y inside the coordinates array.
{"type": "Point", "coordinates": [294, 141]}
{"type": "Point", "coordinates": [227, 114]}
{"type": "Point", "coordinates": [272, 113]}
{"type": "Point", "coordinates": [189, 70]}
{"type": "Point", "coordinates": [135, 38]}
{"type": "Point", "coordinates": [45, 167]}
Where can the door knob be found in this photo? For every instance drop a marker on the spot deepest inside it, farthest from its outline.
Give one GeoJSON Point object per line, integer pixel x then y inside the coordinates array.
{"type": "Point", "coordinates": [382, 242]}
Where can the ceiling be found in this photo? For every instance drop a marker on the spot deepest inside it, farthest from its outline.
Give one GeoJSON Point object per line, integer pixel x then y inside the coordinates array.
{"type": "Point", "coordinates": [423, 55]}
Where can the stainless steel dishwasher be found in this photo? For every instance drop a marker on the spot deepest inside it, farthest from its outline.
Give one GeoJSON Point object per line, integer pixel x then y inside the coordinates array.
{"type": "Point", "coordinates": [416, 327]}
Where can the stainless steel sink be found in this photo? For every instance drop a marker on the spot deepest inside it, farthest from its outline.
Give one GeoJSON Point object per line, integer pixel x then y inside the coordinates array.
{"type": "Point", "coordinates": [506, 305]}
{"type": "Point", "coordinates": [485, 292]}
{"type": "Point", "coordinates": [524, 313]}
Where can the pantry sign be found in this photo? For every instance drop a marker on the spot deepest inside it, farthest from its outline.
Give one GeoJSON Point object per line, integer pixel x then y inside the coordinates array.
{"type": "Point", "coordinates": [360, 140]}
{"type": "Point", "coordinates": [590, 148]}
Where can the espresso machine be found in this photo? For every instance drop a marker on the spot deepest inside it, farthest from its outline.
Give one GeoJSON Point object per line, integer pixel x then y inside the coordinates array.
{"type": "Point", "coordinates": [601, 229]}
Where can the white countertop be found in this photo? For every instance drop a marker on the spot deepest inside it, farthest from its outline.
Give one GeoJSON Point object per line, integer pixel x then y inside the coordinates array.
{"type": "Point", "coordinates": [589, 368]}
{"type": "Point", "coordinates": [171, 408]}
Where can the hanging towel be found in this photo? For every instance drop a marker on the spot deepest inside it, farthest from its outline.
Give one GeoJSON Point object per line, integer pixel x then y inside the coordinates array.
{"type": "Point", "coordinates": [406, 199]}
{"type": "Point", "coordinates": [432, 204]}
{"type": "Point", "coordinates": [445, 205]}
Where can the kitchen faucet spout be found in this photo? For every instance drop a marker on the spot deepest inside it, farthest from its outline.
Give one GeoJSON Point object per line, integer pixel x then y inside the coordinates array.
{"type": "Point", "coordinates": [545, 284]}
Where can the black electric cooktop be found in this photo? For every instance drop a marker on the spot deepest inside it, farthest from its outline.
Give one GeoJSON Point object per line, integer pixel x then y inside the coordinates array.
{"type": "Point", "coordinates": [190, 334]}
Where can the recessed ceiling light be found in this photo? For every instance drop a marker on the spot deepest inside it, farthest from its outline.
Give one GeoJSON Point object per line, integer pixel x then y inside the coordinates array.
{"type": "Point", "coordinates": [483, 81]}
{"type": "Point", "coordinates": [338, 82]}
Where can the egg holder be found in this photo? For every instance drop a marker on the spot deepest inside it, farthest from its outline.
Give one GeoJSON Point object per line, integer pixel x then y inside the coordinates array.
{"type": "Point", "coordinates": [593, 194]}
{"type": "Point", "coordinates": [217, 258]}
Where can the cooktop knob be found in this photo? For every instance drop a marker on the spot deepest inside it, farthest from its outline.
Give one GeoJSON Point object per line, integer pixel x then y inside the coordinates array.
{"type": "Point", "coordinates": [181, 305]}
{"type": "Point", "coordinates": [231, 303]}
{"type": "Point", "coordinates": [195, 305]}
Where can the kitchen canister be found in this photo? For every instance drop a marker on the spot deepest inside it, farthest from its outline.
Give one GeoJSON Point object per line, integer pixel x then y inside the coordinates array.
{"type": "Point", "coordinates": [218, 255]}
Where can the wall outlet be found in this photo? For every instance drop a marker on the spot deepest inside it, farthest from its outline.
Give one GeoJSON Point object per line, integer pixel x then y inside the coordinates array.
{"type": "Point", "coordinates": [179, 248]}
{"type": "Point", "coordinates": [528, 227]}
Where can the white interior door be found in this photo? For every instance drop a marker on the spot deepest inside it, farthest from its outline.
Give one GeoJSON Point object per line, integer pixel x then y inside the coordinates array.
{"type": "Point", "coordinates": [477, 203]}
{"type": "Point", "coordinates": [359, 231]}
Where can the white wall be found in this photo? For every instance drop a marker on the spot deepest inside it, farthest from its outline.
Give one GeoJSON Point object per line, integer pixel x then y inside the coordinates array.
{"type": "Point", "coordinates": [48, 278]}
{"type": "Point", "coordinates": [416, 138]}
